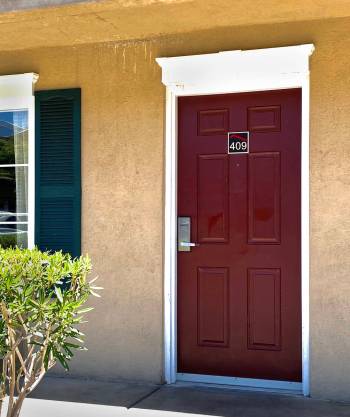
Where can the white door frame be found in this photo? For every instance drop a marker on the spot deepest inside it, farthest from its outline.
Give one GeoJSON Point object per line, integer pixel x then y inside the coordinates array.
{"type": "Point", "coordinates": [222, 73]}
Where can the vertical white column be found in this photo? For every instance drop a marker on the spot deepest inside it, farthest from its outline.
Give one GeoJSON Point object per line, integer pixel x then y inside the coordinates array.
{"type": "Point", "coordinates": [170, 238]}
{"type": "Point", "coordinates": [305, 234]}
{"type": "Point", "coordinates": [31, 173]}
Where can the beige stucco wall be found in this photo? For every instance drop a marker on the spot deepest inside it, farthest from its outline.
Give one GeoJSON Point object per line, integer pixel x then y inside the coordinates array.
{"type": "Point", "coordinates": [123, 163]}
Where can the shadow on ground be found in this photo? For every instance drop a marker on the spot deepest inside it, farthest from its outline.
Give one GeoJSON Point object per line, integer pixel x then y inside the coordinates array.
{"type": "Point", "coordinates": [118, 394]}
{"type": "Point", "coordinates": [232, 403]}
{"type": "Point", "coordinates": [155, 400]}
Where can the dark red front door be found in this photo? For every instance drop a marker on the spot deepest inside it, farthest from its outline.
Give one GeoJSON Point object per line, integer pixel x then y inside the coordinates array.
{"type": "Point", "coordinates": [239, 291]}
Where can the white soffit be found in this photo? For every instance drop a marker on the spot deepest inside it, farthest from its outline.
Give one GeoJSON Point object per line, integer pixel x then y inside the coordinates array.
{"type": "Point", "coordinates": [18, 85]}
{"type": "Point", "coordinates": [236, 70]}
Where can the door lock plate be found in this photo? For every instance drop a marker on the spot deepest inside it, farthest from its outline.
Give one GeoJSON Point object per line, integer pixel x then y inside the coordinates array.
{"type": "Point", "coordinates": [184, 234]}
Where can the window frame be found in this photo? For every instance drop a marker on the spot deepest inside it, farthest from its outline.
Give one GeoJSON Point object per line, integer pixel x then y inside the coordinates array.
{"type": "Point", "coordinates": [16, 94]}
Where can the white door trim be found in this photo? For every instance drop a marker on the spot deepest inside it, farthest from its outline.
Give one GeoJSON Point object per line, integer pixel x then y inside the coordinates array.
{"type": "Point", "coordinates": [230, 72]}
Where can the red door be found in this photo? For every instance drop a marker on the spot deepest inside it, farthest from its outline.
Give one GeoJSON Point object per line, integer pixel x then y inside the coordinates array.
{"type": "Point", "coordinates": [239, 291]}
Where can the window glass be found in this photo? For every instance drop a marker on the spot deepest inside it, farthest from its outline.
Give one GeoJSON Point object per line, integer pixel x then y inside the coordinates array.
{"type": "Point", "coordinates": [13, 235]}
{"type": "Point", "coordinates": [14, 137]}
{"type": "Point", "coordinates": [13, 191]}
{"type": "Point", "coordinates": [14, 178]}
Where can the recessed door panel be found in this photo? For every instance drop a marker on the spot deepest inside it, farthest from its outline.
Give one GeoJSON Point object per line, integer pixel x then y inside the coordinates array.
{"type": "Point", "coordinates": [213, 122]}
{"type": "Point", "coordinates": [212, 306]}
{"type": "Point", "coordinates": [264, 119]}
{"type": "Point", "coordinates": [264, 197]}
{"type": "Point", "coordinates": [264, 309]}
{"type": "Point", "coordinates": [212, 198]}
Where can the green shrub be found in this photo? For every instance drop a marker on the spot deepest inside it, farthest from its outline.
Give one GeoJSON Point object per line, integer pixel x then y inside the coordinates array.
{"type": "Point", "coordinates": [41, 299]}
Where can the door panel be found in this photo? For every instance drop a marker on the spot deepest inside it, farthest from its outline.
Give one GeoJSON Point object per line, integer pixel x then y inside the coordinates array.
{"type": "Point", "coordinates": [264, 197]}
{"type": "Point", "coordinates": [213, 306]}
{"type": "Point", "coordinates": [212, 198]}
{"type": "Point", "coordinates": [264, 309]}
{"type": "Point", "coordinates": [239, 290]}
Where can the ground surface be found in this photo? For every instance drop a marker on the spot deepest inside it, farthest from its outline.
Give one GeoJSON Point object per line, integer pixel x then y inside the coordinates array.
{"type": "Point", "coordinates": [64, 397]}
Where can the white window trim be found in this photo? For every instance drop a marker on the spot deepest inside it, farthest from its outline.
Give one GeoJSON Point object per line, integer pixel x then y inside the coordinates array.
{"type": "Point", "coordinates": [221, 73]}
{"type": "Point", "coordinates": [17, 93]}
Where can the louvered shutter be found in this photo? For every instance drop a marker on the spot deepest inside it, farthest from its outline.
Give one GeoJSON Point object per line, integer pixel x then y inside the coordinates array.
{"type": "Point", "coordinates": [58, 176]}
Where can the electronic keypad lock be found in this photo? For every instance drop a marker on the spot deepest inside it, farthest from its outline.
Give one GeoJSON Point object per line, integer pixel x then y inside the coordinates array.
{"type": "Point", "coordinates": [184, 243]}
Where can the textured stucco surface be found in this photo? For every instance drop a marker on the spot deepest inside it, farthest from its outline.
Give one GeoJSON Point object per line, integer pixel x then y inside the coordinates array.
{"type": "Point", "coordinates": [105, 20]}
{"type": "Point", "coordinates": [123, 160]}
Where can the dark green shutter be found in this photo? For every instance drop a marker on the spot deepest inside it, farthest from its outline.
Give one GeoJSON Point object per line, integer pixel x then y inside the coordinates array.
{"type": "Point", "coordinates": [58, 171]}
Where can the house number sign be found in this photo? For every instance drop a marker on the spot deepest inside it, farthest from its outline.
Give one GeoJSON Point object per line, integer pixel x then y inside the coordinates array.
{"type": "Point", "coordinates": [238, 142]}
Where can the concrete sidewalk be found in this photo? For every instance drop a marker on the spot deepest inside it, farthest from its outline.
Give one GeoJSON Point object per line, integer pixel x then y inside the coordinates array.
{"type": "Point", "coordinates": [64, 397]}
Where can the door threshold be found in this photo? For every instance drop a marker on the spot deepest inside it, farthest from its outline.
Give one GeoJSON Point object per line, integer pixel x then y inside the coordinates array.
{"type": "Point", "coordinates": [244, 384]}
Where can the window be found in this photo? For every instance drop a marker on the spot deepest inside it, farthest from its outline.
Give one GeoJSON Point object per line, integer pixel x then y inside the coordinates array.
{"type": "Point", "coordinates": [14, 178]}
{"type": "Point", "coordinates": [17, 160]}
{"type": "Point", "coordinates": [40, 178]}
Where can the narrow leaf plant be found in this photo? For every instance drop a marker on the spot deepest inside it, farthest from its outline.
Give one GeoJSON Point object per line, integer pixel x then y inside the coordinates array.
{"type": "Point", "coordinates": [41, 307]}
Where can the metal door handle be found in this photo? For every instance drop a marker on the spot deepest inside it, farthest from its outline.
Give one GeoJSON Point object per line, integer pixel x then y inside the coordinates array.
{"type": "Point", "coordinates": [188, 244]}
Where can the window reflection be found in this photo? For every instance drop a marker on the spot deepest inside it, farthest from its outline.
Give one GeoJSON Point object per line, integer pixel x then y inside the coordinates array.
{"type": "Point", "coordinates": [13, 137]}
{"type": "Point", "coordinates": [13, 235]}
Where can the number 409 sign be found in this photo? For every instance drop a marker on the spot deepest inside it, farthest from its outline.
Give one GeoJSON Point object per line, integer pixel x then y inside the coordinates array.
{"type": "Point", "coordinates": [238, 142]}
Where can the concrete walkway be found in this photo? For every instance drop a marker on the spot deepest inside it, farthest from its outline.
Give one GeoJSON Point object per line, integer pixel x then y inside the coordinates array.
{"type": "Point", "coordinates": [64, 397]}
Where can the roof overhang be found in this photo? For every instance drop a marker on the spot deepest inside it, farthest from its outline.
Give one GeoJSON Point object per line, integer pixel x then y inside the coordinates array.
{"type": "Point", "coordinates": [84, 22]}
